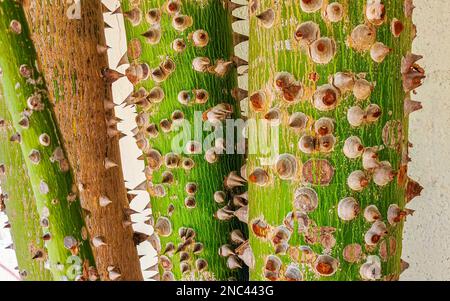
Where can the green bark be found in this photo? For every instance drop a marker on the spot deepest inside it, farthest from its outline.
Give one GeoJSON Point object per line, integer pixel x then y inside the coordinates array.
{"type": "Point", "coordinates": [23, 217]}
{"type": "Point", "coordinates": [213, 17]}
{"type": "Point", "coordinates": [272, 202]}
{"type": "Point", "coordinates": [67, 252]}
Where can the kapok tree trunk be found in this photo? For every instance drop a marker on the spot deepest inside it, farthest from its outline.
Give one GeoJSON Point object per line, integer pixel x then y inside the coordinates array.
{"type": "Point", "coordinates": [18, 202]}
{"type": "Point", "coordinates": [337, 78]}
{"type": "Point", "coordinates": [67, 251]}
{"type": "Point", "coordinates": [181, 56]}
{"type": "Point", "coordinates": [72, 55]}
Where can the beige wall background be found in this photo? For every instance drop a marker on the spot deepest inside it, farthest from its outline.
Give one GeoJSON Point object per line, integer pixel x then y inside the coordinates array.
{"type": "Point", "coordinates": [427, 233]}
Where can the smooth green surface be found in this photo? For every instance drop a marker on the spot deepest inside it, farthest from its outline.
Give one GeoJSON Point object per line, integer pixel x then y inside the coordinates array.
{"type": "Point", "coordinates": [65, 217]}
{"type": "Point", "coordinates": [215, 19]}
{"type": "Point", "coordinates": [275, 200]}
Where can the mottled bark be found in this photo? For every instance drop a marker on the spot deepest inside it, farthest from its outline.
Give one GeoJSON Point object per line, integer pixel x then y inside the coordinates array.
{"type": "Point", "coordinates": [72, 61]}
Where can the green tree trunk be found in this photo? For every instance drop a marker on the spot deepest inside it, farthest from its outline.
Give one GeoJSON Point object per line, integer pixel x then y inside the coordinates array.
{"type": "Point", "coordinates": [26, 231]}
{"type": "Point", "coordinates": [309, 210]}
{"type": "Point", "coordinates": [181, 56]}
{"type": "Point", "coordinates": [67, 253]}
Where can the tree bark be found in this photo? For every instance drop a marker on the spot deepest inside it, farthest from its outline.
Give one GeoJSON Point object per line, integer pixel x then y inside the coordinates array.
{"type": "Point", "coordinates": [71, 61]}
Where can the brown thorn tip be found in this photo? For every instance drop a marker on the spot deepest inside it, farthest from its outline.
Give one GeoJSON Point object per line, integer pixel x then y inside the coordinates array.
{"type": "Point", "coordinates": [105, 9]}
{"type": "Point", "coordinates": [131, 196]}
{"type": "Point", "coordinates": [142, 186]}
{"type": "Point", "coordinates": [109, 163]}
{"type": "Point", "coordinates": [117, 11]}
{"type": "Point", "coordinates": [413, 190]}
{"type": "Point", "coordinates": [123, 60]}
{"type": "Point", "coordinates": [106, 25]}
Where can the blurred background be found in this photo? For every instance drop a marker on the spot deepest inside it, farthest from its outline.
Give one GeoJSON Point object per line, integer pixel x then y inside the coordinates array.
{"type": "Point", "coordinates": [427, 234]}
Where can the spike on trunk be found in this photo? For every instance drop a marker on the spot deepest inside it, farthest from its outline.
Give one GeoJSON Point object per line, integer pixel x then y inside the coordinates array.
{"type": "Point", "coordinates": [307, 222]}
{"type": "Point", "coordinates": [171, 176]}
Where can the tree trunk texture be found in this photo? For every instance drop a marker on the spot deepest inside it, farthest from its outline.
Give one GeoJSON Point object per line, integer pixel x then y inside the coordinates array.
{"type": "Point", "coordinates": [185, 50]}
{"type": "Point", "coordinates": [21, 210]}
{"type": "Point", "coordinates": [72, 55]}
{"type": "Point", "coordinates": [331, 206]}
